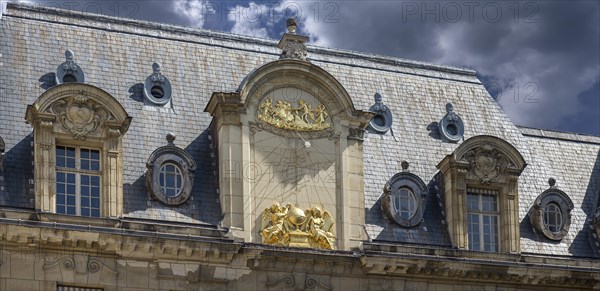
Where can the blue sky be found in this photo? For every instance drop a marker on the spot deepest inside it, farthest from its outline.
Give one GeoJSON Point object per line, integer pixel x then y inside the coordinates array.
{"type": "Point", "coordinates": [539, 59]}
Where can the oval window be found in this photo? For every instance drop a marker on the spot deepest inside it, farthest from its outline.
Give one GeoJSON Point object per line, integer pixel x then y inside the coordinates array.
{"type": "Point", "coordinates": [404, 203]}
{"type": "Point", "coordinates": [171, 180]}
{"type": "Point", "coordinates": [553, 217]}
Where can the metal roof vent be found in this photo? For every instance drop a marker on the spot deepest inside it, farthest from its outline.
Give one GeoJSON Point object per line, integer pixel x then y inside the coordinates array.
{"type": "Point", "coordinates": [451, 127]}
{"type": "Point", "coordinates": [69, 71]}
{"type": "Point", "coordinates": [157, 88]}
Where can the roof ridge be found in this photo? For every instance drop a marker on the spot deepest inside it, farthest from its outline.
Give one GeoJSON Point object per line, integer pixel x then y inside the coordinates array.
{"type": "Point", "coordinates": [389, 60]}
{"type": "Point", "coordinates": [559, 135]}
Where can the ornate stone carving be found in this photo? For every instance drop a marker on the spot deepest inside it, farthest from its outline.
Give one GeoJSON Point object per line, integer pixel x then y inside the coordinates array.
{"type": "Point", "coordinates": [293, 46]}
{"type": "Point", "coordinates": [291, 226]}
{"type": "Point", "coordinates": [486, 164]}
{"type": "Point", "coordinates": [304, 282]}
{"type": "Point", "coordinates": [294, 49]}
{"type": "Point", "coordinates": [80, 115]}
{"type": "Point", "coordinates": [81, 264]}
{"type": "Point", "coordinates": [302, 118]}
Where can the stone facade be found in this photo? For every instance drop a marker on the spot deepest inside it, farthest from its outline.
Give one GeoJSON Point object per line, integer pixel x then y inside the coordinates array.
{"type": "Point", "coordinates": [257, 123]}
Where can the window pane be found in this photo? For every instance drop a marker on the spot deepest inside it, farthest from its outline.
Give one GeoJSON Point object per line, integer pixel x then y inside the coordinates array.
{"type": "Point", "coordinates": [71, 178]}
{"type": "Point", "coordinates": [71, 210]}
{"type": "Point", "coordinates": [553, 217]}
{"type": "Point", "coordinates": [85, 164]}
{"type": "Point", "coordinates": [95, 166]}
{"type": "Point", "coordinates": [95, 213]}
{"type": "Point", "coordinates": [85, 212]}
{"type": "Point", "coordinates": [95, 155]}
{"type": "Point", "coordinates": [472, 201]}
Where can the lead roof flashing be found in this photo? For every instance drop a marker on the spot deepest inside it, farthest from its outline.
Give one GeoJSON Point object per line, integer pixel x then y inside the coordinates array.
{"type": "Point", "coordinates": [41, 13]}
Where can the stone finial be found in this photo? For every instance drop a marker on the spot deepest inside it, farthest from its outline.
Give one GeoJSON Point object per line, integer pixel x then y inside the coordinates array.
{"type": "Point", "coordinates": [449, 107]}
{"type": "Point", "coordinates": [291, 25]}
{"type": "Point", "coordinates": [404, 165]}
{"type": "Point", "coordinates": [69, 55]}
{"type": "Point", "coordinates": [156, 67]}
{"type": "Point", "coordinates": [378, 97]}
{"type": "Point", "coordinates": [293, 46]}
{"type": "Point", "coordinates": [170, 138]}
{"type": "Point", "coordinates": [552, 182]}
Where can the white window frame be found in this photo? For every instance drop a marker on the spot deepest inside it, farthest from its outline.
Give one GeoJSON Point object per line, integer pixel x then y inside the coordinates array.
{"type": "Point", "coordinates": [78, 172]}
{"type": "Point", "coordinates": [480, 214]}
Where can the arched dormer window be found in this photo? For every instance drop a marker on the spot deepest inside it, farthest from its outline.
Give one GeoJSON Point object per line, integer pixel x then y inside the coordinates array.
{"type": "Point", "coordinates": [78, 130]}
{"type": "Point", "coordinates": [481, 195]}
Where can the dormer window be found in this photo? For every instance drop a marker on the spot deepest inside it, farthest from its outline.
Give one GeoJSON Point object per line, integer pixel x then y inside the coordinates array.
{"type": "Point", "coordinates": [78, 132]}
{"type": "Point", "coordinates": [551, 213]}
{"type": "Point", "coordinates": [481, 195]}
{"type": "Point", "coordinates": [170, 175]}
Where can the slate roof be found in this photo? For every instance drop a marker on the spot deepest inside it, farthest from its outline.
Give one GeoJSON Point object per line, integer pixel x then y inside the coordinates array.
{"type": "Point", "coordinates": [117, 54]}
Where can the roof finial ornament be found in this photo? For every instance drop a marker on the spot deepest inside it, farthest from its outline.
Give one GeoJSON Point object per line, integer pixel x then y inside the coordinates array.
{"type": "Point", "coordinates": [291, 25]}
{"type": "Point", "coordinates": [156, 67]}
{"type": "Point", "coordinates": [552, 182]}
{"type": "Point", "coordinates": [404, 165]}
{"type": "Point", "coordinates": [293, 46]}
{"type": "Point", "coordinates": [69, 55]}
{"type": "Point", "coordinates": [170, 138]}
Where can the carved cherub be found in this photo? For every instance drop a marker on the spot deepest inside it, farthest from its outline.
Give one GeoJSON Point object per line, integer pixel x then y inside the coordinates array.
{"type": "Point", "coordinates": [273, 228]}
{"type": "Point", "coordinates": [320, 227]}
{"type": "Point", "coordinates": [321, 115]}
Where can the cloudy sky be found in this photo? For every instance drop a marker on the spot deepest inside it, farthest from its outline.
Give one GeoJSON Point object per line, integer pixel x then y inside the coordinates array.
{"type": "Point", "coordinates": [540, 60]}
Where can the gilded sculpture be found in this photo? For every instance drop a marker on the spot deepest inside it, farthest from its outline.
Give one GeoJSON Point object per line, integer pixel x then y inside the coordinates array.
{"type": "Point", "coordinates": [282, 114]}
{"type": "Point", "coordinates": [292, 226]}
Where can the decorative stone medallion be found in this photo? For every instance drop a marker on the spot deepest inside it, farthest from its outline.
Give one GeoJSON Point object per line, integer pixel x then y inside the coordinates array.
{"type": "Point", "coordinates": [80, 115]}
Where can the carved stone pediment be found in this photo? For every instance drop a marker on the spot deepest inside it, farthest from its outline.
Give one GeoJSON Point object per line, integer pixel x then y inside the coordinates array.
{"type": "Point", "coordinates": [486, 164]}
{"type": "Point", "coordinates": [80, 115]}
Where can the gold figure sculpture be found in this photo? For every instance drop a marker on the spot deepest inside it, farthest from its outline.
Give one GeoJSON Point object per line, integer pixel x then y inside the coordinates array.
{"type": "Point", "coordinates": [302, 118]}
{"type": "Point", "coordinates": [292, 226]}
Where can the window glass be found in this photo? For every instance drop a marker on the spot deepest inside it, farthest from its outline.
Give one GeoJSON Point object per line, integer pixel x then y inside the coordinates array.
{"type": "Point", "coordinates": [170, 180]}
{"type": "Point", "coordinates": [77, 181]}
{"type": "Point", "coordinates": [482, 220]}
{"type": "Point", "coordinates": [405, 203]}
{"type": "Point", "coordinates": [553, 217]}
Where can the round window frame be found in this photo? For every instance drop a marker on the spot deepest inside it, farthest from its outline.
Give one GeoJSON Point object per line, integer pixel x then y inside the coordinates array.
{"type": "Point", "coordinates": [537, 215]}
{"type": "Point", "coordinates": [384, 112]}
{"type": "Point", "coordinates": [419, 192]}
{"type": "Point", "coordinates": [457, 122]}
{"type": "Point", "coordinates": [165, 85]}
{"type": "Point", "coordinates": [186, 168]}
